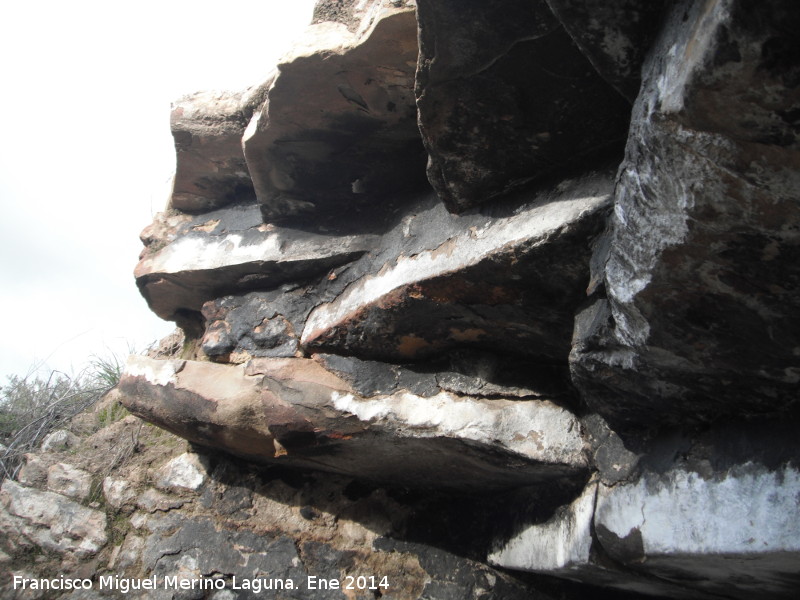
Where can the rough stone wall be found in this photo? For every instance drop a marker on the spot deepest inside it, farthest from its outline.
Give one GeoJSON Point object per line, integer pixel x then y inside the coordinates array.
{"type": "Point", "coordinates": [516, 282]}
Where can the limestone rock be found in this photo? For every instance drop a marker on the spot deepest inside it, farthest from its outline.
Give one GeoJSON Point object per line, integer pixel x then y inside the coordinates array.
{"type": "Point", "coordinates": [695, 313]}
{"type": "Point", "coordinates": [709, 516]}
{"type": "Point", "coordinates": [184, 472]}
{"type": "Point", "coordinates": [500, 106]}
{"type": "Point", "coordinates": [554, 546]}
{"type": "Point", "coordinates": [294, 412]}
{"type": "Point", "coordinates": [118, 492]}
{"type": "Point", "coordinates": [34, 472]}
{"type": "Point", "coordinates": [130, 551]}
{"type": "Point", "coordinates": [60, 439]}
{"type": "Point", "coordinates": [51, 521]}
{"type": "Point", "coordinates": [67, 480]}
{"type": "Point", "coordinates": [338, 131]}
{"type": "Point", "coordinates": [734, 536]}
{"type": "Point", "coordinates": [565, 546]}
{"type": "Point", "coordinates": [152, 501]}
{"type": "Point", "coordinates": [510, 283]}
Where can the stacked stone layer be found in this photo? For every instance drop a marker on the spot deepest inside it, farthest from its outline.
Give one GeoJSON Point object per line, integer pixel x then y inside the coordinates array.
{"type": "Point", "coordinates": [603, 257]}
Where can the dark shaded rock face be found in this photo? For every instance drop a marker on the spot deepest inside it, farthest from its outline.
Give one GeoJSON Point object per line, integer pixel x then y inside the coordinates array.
{"type": "Point", "coordinates": [503, 104]}
{"type": "Point", "coordinates": [338, 130]}
{"type": "Point", "coordinates": [615, 35]}
{"type": "Point", "coordinates": [210, 168]}
{"type": "Point", "coordinates": [589, 320]}
{"type": "Point", "coordinates": [698, 280]}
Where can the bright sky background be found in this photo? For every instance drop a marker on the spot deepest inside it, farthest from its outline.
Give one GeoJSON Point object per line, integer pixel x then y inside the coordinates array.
{"type": "Point", "coordinates": [86, 154]}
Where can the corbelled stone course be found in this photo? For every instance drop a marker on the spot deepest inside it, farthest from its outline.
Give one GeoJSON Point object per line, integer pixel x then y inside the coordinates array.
{"type": "Point", "coordinates": [587, 329]}
{"type": "Point", "coordinates": [294, 412]}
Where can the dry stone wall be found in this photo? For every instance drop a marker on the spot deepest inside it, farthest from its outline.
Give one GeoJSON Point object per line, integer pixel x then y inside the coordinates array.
{"type": "Point", "coordinates": [526, 271]}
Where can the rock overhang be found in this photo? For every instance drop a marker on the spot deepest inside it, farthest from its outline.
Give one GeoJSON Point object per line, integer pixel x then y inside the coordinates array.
{"type": "Point", "coordinates": [294, 412]}
{"type": "Point", "coordinates": [424, 337]}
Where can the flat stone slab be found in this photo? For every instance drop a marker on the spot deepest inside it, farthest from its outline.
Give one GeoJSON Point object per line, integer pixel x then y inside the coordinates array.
{"type": "Point", "coordinates": [294, 412]}
{"type": "Point", "coordinates": [511, 283]}
{"type": "Point", "coordinates": [189, 260]}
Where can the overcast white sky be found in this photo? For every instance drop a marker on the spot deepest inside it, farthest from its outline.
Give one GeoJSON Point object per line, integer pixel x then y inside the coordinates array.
{"type": "Point", "coordinates": [85, 154]}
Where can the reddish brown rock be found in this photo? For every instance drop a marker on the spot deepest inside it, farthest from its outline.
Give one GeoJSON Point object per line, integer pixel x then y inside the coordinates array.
{"type": "Point", "coordinates": [294, 412]}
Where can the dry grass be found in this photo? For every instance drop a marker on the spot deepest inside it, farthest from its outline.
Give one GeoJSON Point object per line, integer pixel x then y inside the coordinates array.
{"type": "Point", "coordinates": [32, 406]}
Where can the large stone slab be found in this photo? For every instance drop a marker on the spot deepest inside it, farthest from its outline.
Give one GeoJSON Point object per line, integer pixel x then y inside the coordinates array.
{"type": "Point", "coordinates": [503, 104]}
{"type": "Point", "coordinates": [190, 260]}
{"type": "Point", "coordinates": [338, 131]}
{"type": "Point", "coordinates": [294, 412]}
{"type": "Point", "coordinates": [697, 286]}
{"type": "Point", "coordinates": [509, 281]}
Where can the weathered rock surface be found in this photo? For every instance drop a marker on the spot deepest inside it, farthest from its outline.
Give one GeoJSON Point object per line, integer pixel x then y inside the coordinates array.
{"type": "Point", "coordinates": [118, 492]}
{"type": "Point", "coordinates": [735, 535]}
{"type": "Point", "coordinates": [481, 281]}
{"type": "Point", "coordinates": [69, 481]}
{"type": "Point", "coordinates": [50, 521]}
{"type": "Point", "coordinates": [697, 284]}
{"type": "Point", "coordinates": [598, 374]}
{"type": "Point", "coordinates": [294, 412]}
{"type": "Point", "coordinates": [714, 516]}
{"type": "Point", "coordinates": [338, 131]}
{"type": "Point", "coordinates": [189, 260]}
{"type": "Point", "coordinates": [615, 35]}
{"type": "Point", "coordinates": [265, 527]}
{"type": "Point", "coordinates": [58, 440]}
{"type": "Point", "coordinates": [187, 471]}
{"type": "Point", "coordinates": [504, 104]}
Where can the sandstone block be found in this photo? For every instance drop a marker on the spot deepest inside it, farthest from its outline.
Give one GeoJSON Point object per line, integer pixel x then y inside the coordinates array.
{"type": "Point", "coordinates": [339, 130]}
